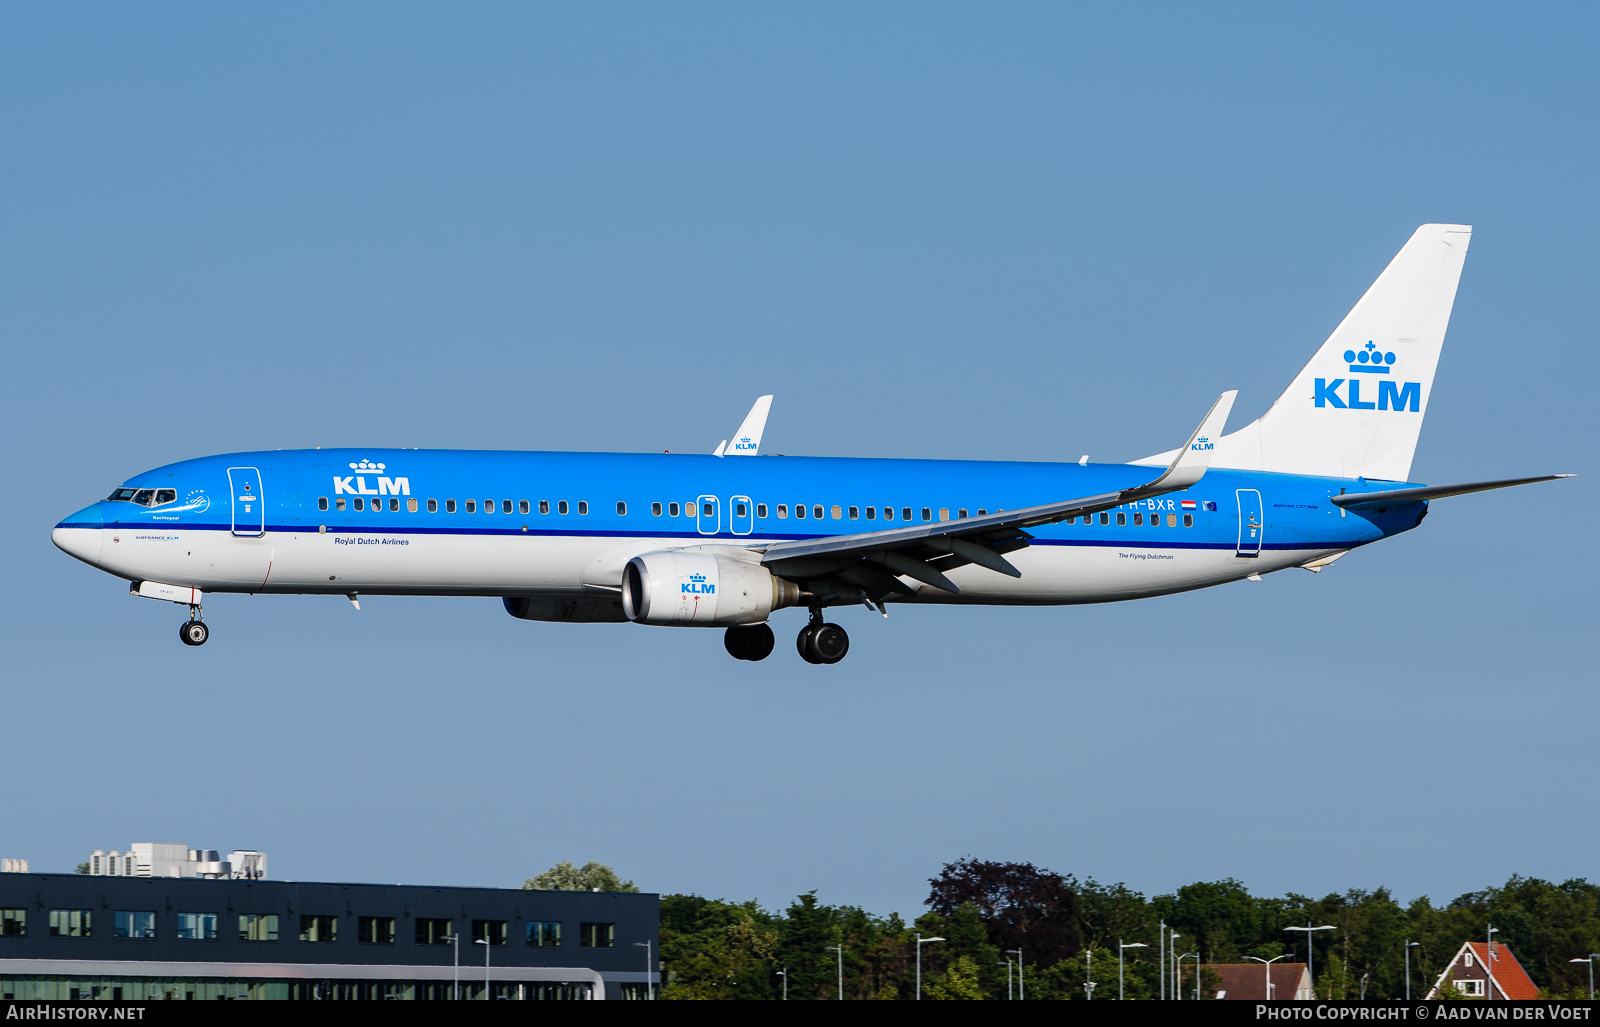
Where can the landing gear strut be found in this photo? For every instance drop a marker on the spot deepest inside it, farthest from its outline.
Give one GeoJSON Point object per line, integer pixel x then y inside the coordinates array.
{"type": "Point", "coordinates": [194, 631]}
{"type": "Point", "coordinates": [822, 643]}
{"type": "Point", "coordinates": [749, 642]}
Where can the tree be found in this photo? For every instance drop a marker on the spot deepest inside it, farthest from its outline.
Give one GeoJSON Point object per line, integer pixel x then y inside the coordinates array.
{"type": "Point", "coordinates": [959, 981]}
{"type": "Point", "coordinates": [591, 876]}
{"type": "Point", "coordinates": [1022, 906]}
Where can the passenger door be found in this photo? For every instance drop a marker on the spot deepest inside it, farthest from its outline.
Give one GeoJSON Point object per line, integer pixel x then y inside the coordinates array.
{"type": "Point", "coordinates": [1251, 526]}
{"type": "Point", "coordinates": [709, 516]}
{"type": "Point", "coordinates": [249, 509]}
{"type": "Point", "coordinates": [741, 516]}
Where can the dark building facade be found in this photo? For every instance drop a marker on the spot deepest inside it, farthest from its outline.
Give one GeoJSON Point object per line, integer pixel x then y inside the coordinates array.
{"type": "Point", "coordinates": [69, 936]}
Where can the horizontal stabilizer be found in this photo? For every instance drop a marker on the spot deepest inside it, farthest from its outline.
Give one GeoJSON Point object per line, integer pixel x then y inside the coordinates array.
{"type": "Point", "coordinates": [1395, 497]}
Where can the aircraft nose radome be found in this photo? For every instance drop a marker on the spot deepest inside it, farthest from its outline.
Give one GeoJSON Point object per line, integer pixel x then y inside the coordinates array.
{"type": "Point", "coordinates": [79, 535]}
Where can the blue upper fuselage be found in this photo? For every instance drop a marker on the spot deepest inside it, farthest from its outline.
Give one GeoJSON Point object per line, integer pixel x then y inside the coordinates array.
{"type": "Point", "coordinates": [402, 491]}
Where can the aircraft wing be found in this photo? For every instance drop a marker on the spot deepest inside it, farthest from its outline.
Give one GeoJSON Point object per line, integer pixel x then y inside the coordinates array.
{"type": "Point", "coordinates": [1395, 497]}
{"type": "Point", "coordinates": [871, 561]}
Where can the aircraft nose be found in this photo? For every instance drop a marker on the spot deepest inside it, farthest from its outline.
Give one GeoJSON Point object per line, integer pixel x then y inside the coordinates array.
{"type": "Point", "coordinates": [79, 535]}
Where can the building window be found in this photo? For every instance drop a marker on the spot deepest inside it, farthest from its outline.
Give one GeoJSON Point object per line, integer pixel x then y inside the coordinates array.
{"type": "Point", "coordinates": [13, 923]}
{"type": "Point", "coordinates": [134, 924]}
{"type": "Point", "coordinates": [472, 506]}
{"type": "Point", "coordinates": [597, 936]}
{"type": "Point", "coordinates": [323, 930]}
{"type": "Point", "coordinates": [816, 511]}
{"type": "Point", "coordinates": [672, 509]}
{"type": "Point", "coordinates": [258, 927]}
{"type": "Point", "coordinates": [433, 932]}
{"type": "Point", "coordinates": [544, 933]}
{"type": "Point", "coordinates": [1188, 520]}
{"type": "Point", "coordinates": [523, 507]}
{"type": "Point", "coordinates": [505, 506]}
{"type": "Point", "coordinates": [492, 930]}
{"type": "Point", "coordinates": [69, 923]}
{"type": "Point", "coordinates": [322, 502]}
{"type": "Point", "coordinates": [583, 508]}
{"type": "Point", "coordinates": [544, 506]}
{"type": "Point", "coordinates": [783, 511]}
{"type": "Point", "coordinates": [1473, 989]}
{"type": "Point", "coordinates": [376, 930]}
{"type": "Point", "coordinates": [761, 510]}
{"type": "Point", "coordinates": [197, 926]}
{"type": "Point", "coordinates": [854, 513]}
{"type": "Point", "coordinates": [449, 506]}
{"type": "Point", "coordinates": [1467, 959]}
{"type": "Point", "coordinates": [655, 509]}
{"type": "Point", "coordinates": [561, 507]}
{"type": "Point", "coordinates": [622, 508]}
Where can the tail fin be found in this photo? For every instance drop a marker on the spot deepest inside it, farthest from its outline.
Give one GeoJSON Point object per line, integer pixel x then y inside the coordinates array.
{"type": "Point", "coordinates": [1356, 409]}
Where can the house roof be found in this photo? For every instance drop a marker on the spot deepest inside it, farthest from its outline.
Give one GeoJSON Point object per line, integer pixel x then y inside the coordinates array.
{"type": "Point", "coordinates": [1249, 980]}
{"type": "Point", "coordinates": [1510, 979]}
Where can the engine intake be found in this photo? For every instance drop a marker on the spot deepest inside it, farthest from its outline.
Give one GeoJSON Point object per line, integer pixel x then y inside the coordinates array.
{"type": "Point", "coordinates": [702, 588]}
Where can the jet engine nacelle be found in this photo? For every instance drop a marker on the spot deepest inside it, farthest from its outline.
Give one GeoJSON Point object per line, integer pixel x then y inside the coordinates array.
{"type": "Point", "coordinates": [702, 588]}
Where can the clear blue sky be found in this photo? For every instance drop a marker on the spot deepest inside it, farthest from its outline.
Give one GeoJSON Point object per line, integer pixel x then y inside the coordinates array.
{"type": "Point", "coordinates": [997, 232]}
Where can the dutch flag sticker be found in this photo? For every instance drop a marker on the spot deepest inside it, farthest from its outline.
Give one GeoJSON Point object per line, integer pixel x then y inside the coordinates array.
{"type": "Point", "coordinates": [1188, 504]}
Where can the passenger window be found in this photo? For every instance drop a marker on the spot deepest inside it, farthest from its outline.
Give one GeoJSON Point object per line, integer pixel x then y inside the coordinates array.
{"type": "Point", "coordinates": [561, 507]}
{"type": "Point", "coordinates": [1188, 520]}
{"type": "Point", "coordinates": [1138, 519]}
{"type": "Point", "coordinates": [816, 512]}
{"type": "Point", "coordinates": [1122, 519]}
{"type": "Point", "coordinates": [544, 506]}
{"type": "Point", "coordinates": [583, 507]}
{"type": "Point", "coordinates": [983, 513]}
{"type": "Point", "coordinates": [672, 509]}
{"type": "Point", "coordinates": [872, 513]}
{"type": "Point", "coordinates": [449, 506]}
{"type": "Point", "coordinates": [359, 504]}
{"type": "Point", "coordinates": [488, 506]}
{"type": "Point", "coordinates": [338, 504]}
{"type": "Point", "coordinates": [522, 506]}
{"type": "Point", "coordinates": [655, 509]}
{"type": "Point", "coordinates": [690, 510]}
{"type": "Point", "coordinates": [738, 509]}
{"type": "Point", "coordinates": [622, 509]}
{"type": "Point", "coordinates": [961, 514]}
{"type": "Point", "coordinates": [800, 510]}
{"type": "Point", "coordinates": [761, 510]}
{"type": "Point", "coordinates": [411, 506]}
{"type": "Point", "coordinates": [888, 513]}
{"type": "Point", "coordinates": [1105, 518]}
{"type": "Point", "coordinates": [1072, 520]}
{"type": "Point", "coordinates": [472, 506]}
{"type": "Point", "coordinates": [322, 502]}
{"type": "Point", "coordinates": [1172, 520]}
{"type": "Point", "coordinates": [905, 513]}
{"type": "Point", "coordinates": [927, 514]}
{"type": "Point", "coordinates": [394, 505]}
{"type": "Point", "coordinates": [944, 513]}
{"type": "Point", "coordinates": [433, 506]}
{"type": "Point", "coordinates": [166, 496]}
{"type": "Point", "coordinates": [505, 506]}
{"type": "Point", "coordinates": [855, 512]}
{"type": "Point", "coordinates": [837, 513]}
{"type": "Point", "coordinates": [783, 511]}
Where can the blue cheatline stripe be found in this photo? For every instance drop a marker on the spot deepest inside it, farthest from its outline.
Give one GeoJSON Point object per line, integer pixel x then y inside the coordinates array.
{"type": "Point", "coordinates": [1092, 543]}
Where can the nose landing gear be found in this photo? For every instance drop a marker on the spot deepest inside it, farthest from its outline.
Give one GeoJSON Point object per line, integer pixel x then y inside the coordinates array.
{"type": "Point", "coordinates": [194, 630]}
{"type": "Point", "coordinates": [822, 643]}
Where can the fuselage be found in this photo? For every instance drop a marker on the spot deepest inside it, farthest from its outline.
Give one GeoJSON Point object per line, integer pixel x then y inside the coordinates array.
{"type": "Point", "coordinates": [563, 525]}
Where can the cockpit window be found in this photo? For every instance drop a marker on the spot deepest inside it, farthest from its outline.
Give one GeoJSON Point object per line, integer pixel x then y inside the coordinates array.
{"type": "Point", "coordinates": [144, 497]}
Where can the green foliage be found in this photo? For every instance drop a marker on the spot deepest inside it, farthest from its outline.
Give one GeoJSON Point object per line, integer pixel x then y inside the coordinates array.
{"type": "Point", "coordinates": [590, 877]}
{"type": "Point", "coordinates": [959, 981]}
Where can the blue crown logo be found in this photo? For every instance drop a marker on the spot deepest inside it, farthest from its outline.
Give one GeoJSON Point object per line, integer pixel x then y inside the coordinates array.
{"type": "Point", "coordinates": [697, 577]}
{"type": "Point", "coordinates": [1368, 359]}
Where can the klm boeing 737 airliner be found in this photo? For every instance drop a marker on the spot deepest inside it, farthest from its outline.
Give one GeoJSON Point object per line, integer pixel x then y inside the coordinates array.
{"type": "Point", "coordinates": [724, 541]}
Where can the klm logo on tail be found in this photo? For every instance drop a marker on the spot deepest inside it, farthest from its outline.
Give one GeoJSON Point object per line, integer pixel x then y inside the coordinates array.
{"type": "Point", "coordinates": [1203, 445]}
{"type": "Point", "coordinates": [1368, 360]}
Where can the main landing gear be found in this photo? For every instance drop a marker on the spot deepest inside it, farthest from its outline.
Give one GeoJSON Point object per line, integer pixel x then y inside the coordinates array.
{"type": "Point", "coordinates": [194, 631]}
{"type": "Point", "coordinates": [822, 643]}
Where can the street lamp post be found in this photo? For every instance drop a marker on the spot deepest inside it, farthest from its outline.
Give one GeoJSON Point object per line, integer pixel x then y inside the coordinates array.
{"type": "Point", "coordinates": [784, 973]}
{"type": "Point", "coordinates": [1310, 933]}
{"type": "Point", "coordinates": [1268, 963]}
{"type": "Point", "coordinates": [485, 942]}
{"type": "Point", "coordinates": [1172, 964]}
{"type": "Point", "coordinates": [454, 939]}
{"type": "Point", "coordinates": [840, 950]}
{"type": "Point", "coordinates": [920, 941]}
{"type": "Point", "coordinates": [1177, 985]}
{"type": "Point", "coordinates": [1161, 956]}
{"type": "Point", "coordinates": [1488, 965]}
{"type": "Point", "coordinates": [1120, 947]}
{"type": "Point", "coordinates": [1590, 961]}
{"type": "Point", "coordinates": [1409, 946]}
{"type": "Point", "coordinates": [1088, 974]}
{"type": "Point", "coordinates": [648, 989]}
{"type": "Point", "coordinates": [1022, 985]}
{"type": "Point", "coordinates": [1007, 965]}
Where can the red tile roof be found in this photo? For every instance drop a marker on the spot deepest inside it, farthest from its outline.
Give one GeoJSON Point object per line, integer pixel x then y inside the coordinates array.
{"type": "Point", "coordinates": [1509, 976]}
{"type": "Point", "coordinates": [1249, 980]}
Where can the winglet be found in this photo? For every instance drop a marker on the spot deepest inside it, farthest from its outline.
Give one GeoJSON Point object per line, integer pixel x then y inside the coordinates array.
{"type": "Point", "coordinates": [747, 440]}
{"type": "Point", "coordinates": [1189, 466]}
